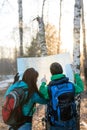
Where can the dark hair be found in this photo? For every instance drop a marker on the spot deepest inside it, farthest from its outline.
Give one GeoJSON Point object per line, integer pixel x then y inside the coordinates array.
{"type": "Point", "coordinates": [30, 77]}
{"type": "Point", "coordinates": [56, 68]}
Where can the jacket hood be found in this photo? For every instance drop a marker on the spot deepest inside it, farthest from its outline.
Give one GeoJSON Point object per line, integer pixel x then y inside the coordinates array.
{"type": "Point", "coordinates": [20, 84]}
{"type": "Point", "coordinates": [57, 76]}
{"type": "Point", "coordinates": [16, 85]}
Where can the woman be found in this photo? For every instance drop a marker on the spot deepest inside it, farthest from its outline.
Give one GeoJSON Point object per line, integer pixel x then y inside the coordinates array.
{"type": "Point", "coordinates": [29, 81]}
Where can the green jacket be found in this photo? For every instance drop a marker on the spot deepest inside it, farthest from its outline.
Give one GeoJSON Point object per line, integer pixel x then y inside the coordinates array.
{"type": "Point", "coordinates": [79, 86]}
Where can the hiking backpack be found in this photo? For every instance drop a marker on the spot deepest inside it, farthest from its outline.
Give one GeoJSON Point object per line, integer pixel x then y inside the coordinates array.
{"type": "Point", "coordinates": [61, 106]}
{"type": "Point", "coordinates": [12, 108]}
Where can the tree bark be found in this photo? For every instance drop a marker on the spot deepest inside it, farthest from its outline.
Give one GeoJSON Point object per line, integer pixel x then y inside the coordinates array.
{"type": "Point", "coordinates": [41, 36]}
{"type": "Point", "coordinates": [76, 34]}
{"type": "Point", "coordinates": [20, 11]}
{"type": "Point", "coordinates": [76, 51]}
{"type": "Point", "coordinates": [58, 46]}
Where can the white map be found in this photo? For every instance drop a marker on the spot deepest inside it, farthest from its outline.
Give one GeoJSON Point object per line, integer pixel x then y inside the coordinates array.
{"type": "Point", "coordinates": [42, 64]}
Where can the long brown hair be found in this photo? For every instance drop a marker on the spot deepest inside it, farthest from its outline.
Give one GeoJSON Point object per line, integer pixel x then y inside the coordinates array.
{"type": "Point", "coordinates": [30, 77]}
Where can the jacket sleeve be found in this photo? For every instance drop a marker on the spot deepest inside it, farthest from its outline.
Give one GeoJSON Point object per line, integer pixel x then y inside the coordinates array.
{"type": "Point", "coordinates": [44, 90]}
{"type": "Point", "coordinates": [79, 85]}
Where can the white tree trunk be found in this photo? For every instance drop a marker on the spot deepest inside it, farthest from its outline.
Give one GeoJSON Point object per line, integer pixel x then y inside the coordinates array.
{"type": "Point", "coordinates": [20, 11]}
{"type": "Point", "coordinates": [60, 15]}
{"type": "Point", "coordinates": [41, 37]}
{"type": "Point", "coordinates": [76, 47]}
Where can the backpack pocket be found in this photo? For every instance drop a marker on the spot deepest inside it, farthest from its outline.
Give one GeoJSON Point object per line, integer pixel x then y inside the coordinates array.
{"type": "Point", "coordinates": [66, 106]}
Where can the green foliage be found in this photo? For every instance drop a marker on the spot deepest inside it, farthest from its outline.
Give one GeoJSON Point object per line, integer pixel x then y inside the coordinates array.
{"type": "Point", "coordinates": [34, 49]}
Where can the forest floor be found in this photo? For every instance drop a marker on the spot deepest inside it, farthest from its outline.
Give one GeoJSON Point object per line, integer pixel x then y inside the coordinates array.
{"type": "Point", "coordinates": [39, 114]}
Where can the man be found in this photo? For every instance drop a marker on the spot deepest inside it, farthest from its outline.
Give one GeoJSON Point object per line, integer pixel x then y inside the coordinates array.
{"type": "Point", "coordinates": [58, 76]}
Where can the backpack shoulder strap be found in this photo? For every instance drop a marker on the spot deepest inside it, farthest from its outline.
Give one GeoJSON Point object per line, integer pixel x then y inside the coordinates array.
{"type": "Point", "coordinates": [60, 81]}
{"type": "Point", "coordinates": [20, 92]}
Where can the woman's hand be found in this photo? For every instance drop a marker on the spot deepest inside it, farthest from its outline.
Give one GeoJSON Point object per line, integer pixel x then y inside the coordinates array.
{"type": "Point", "coordinates": [16, 78]}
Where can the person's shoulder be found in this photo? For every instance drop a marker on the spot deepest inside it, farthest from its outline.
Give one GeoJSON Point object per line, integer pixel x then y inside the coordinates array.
{"type": "Point", "coordinates": [21, 84]}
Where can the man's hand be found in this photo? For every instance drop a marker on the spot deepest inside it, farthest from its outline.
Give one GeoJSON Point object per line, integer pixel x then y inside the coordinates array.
{"type": "Point", "coordinates": [44, 79]}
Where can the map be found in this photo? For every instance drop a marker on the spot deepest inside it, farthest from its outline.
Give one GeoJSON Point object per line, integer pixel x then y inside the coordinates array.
{"type": "Point", "coordinates": [42, 65]}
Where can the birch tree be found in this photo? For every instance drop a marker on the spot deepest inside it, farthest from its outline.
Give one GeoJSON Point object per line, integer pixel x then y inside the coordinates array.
{"type": "Point", "coordinates": [60, 15]}
{"type": "Point", "coordinates": [76, 50]}
{"type": "Point", "coordinates": [76, 34]}
{"type": "Point", "coordinates": [41, 33]}
{"type": "Point", "coordinates": [41, 36]}
{"type": "Point", "coordinates": [20, 12]}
